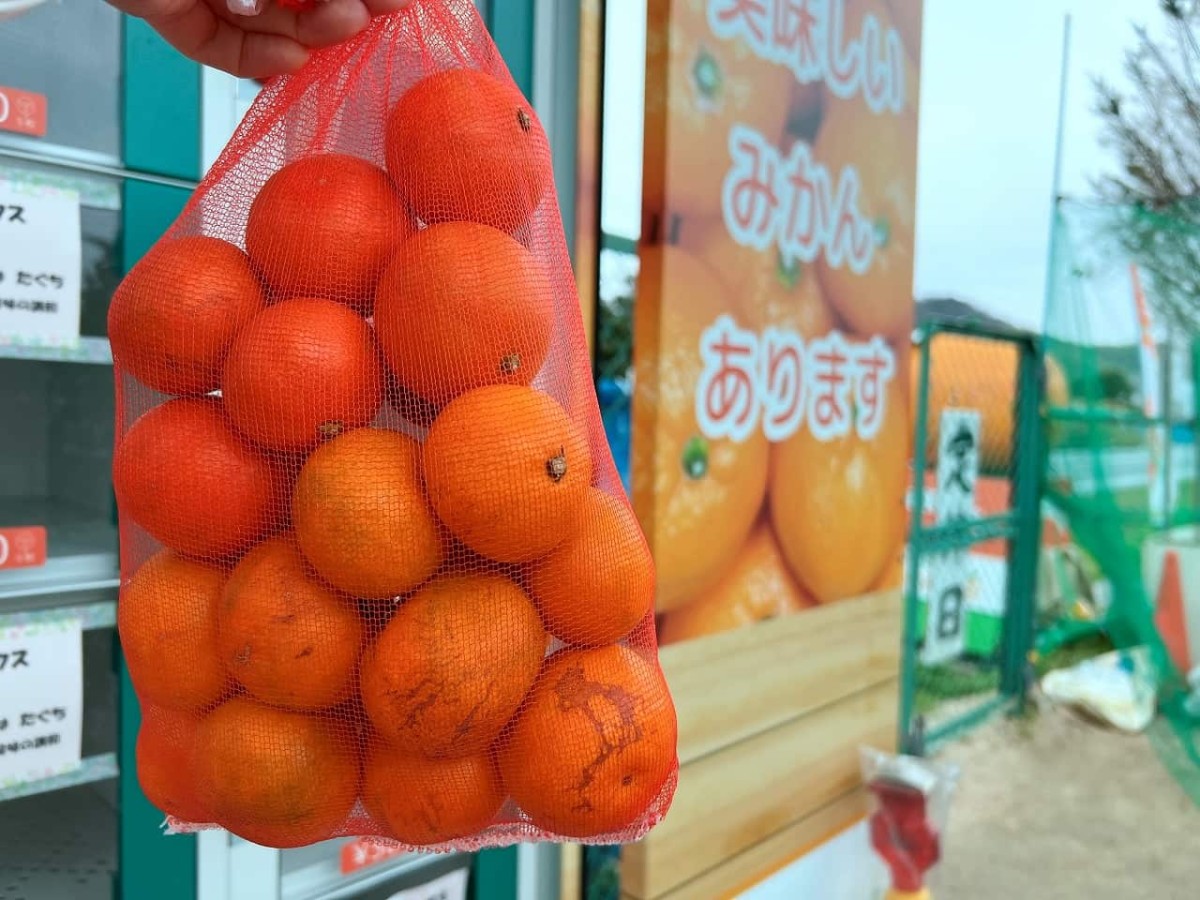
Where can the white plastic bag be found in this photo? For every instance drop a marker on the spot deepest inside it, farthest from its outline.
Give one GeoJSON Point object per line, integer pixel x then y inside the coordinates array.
{"type": "Point", "coordinates": [1117, 688]}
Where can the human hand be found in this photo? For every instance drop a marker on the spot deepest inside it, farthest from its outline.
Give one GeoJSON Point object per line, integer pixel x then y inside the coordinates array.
{"type": "Point", "coordinates": [275, 42]}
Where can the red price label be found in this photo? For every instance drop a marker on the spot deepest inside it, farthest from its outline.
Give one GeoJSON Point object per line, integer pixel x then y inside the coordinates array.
{"type": "Point", "coordinates": [360, 854]}
{"type": "Point", "coordinates": [21, 548]}
{"type": "Point", "coordinates": [23, 112]}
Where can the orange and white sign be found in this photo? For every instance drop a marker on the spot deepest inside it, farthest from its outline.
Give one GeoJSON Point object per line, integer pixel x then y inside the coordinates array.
{"type": "Point", "coordinates": [22, 548]}
{"type": "Point", "coordinates": [361, 854]}
{"type": "Point", "coordinates": [23, 112]}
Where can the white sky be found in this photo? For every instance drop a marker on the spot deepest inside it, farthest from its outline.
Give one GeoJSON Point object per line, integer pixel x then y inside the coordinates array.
{"type": "Point", "coordinates": [989, 104]}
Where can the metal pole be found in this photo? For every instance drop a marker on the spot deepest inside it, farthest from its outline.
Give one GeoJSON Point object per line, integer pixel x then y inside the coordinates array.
{"type": "Point", "coordinates": [908, 676]}
{"type": "Point", "coordinates": [1056, 184]}
{"type": "Point", "coordinates": [1167, 377]}
{"type": "Point", "coordinates": [1062, 105]}
{"type": "Point", "coordinates": [1194, 515]}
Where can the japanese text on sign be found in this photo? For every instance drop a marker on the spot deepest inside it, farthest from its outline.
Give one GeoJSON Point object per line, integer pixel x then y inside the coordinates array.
{"type": "Point", "coordinates": [22, 547]}
{"type": "Point", "coordinates": [40, 259]}
{"type": "Point", "coordinates": [361, 854]}
{"type": "Point", "coordinates": [958, 464]}
{"type": "Point", "coordinates": [793, 202]}
{"type": "Point", "coordinates": [41, 699]}
{"type": "Point", "coordinates": [809, 37]}
{"type": "Point", "coordinates": [946, 620]}
{"type": "Point", "coordinates": [22, 112]}
{"type": "Point", "coordinates": [777, 381]}
{"type": "Point", "coordinates": [950, 573]}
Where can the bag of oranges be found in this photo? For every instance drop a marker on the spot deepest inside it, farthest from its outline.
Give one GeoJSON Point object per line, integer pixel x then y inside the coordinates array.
{"type": "Point", "coordinates": [379, 576]}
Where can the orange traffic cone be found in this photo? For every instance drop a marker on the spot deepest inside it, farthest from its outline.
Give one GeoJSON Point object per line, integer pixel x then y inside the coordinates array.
{"type": "Point", "coordinates": [1169, 616]}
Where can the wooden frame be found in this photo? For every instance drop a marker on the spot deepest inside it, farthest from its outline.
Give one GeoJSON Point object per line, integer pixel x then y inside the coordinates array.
{"type": "Point", "coordinates": [771, 719]}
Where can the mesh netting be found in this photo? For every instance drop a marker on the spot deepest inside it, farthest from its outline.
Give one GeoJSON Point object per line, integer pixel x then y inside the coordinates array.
{"type": "Point", "coordinates": [1122, 465]}
{"type": "Point", "coordinates": [379, 576]}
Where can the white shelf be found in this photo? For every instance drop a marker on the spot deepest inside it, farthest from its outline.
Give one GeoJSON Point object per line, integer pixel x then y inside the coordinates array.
{"type": "Point", "coordinates": [58, 845]}
{"type": "Point", "coordinates": [89, 350]}
{"type": "Point", "coordinates": [93, 769]}
{"type": "Point", "coordinates": [83, 566]}
{"type": "Point", "coordinates": [314, 873]}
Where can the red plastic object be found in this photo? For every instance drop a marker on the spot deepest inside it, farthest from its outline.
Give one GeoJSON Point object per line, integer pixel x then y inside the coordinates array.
{"type": "Point", "coordinates": [902, 834]}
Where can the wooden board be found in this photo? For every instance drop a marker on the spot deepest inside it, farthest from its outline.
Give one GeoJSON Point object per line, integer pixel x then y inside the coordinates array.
{"type": "Point", "coordinates": [570, 872]}
{"type": "Point", "coordinates": [738, 797]}
{"type": "Point", "coordinates": [731, 686]}
{"type": "Point", "coordinates": [739, 872]}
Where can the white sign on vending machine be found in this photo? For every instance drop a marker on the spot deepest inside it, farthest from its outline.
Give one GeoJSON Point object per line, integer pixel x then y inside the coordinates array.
{"type": "Point", "coordinates": [41, 699]}
{"type": "Point", "coordinates": [40, 266]}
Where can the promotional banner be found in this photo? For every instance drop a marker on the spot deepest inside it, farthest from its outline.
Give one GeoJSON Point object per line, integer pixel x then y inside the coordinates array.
{"type": "Point", "coordinates": [774, 304]}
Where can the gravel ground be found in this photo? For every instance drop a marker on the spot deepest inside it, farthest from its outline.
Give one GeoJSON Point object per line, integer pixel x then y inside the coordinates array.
{"type": "Point", "coordinates": [1058, 808]}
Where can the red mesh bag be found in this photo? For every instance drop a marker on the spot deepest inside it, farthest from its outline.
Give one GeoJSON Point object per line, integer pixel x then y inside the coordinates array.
{"type": "Point", "coordinates": [379, 576]}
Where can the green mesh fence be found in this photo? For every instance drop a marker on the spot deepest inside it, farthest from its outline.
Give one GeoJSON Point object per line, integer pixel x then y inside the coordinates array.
{"type": "Point", "coordinates": [1122, 451]}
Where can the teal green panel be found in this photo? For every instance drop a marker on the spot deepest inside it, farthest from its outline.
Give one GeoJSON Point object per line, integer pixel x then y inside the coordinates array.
{"type": "Point", "coordinates": [162, 105]}
{"type": "Point", "coordinates": [494, 875]}
{"type": "Point", "coordinates": [150, 209]}
{"type": "Point", "coordinates": [152, 865]}
{"type": "Point", "coordinates": [511, 24]}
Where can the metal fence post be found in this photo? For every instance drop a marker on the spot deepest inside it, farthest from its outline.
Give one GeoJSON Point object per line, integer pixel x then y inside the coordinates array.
{"type": "Point", "coordinates": [1025, 547]}
{"type": "Point", "coordinates": [908, 675]}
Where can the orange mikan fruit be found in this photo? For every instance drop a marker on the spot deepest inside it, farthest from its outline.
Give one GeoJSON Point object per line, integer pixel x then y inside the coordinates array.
{"type": "Point", "coordinates": [286, 637]}
{"type": "Point", "coordinates": [892, 577]}
{"type": "Point", "coordinates": [172, 320]}
{"type": "Point", "coordinates": [599, 583]}
{"type": "Point", "coordinates": [462, 306]}
{"type": "Point", "coordinates": [758, 586]}
{"type": "Point", "coordinates": [424, 801]}
{"type": "Point", "coordinates": [507, 471]}
{"type": "Point", "coordinates": [696, 497]}
{"type": "Point", "coordinates": [326, 226]}
{"type": "Point", "coordinates": [769, 289]}
{"type": "Point", "coordinates": [182, 474]}
{"type": "Point", "coordinates": [167, 618]}
{"type": "Point", "coordinates": [837, 506]}
{"type": "Point", "coordinates": [906, 18]}
{"type": "Point", "coordinates": [464, 146]}
{"type": "Point", "coordinates": [166, 764]}
{"type": "Point", "coordinates": [361, 516]}
{"type": "Point", "coordinates": [303, 371]}
{"type": "Point", "coordinates": [594, 743]}
{"type": "Point", "coordinates": [453, 665]}
{"type": "Point", "coordinates": [883, 151]}
{"type": "Point", "coordinates": [715, 84]}
{"type": "Point", "coordinates": [273, 777]}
